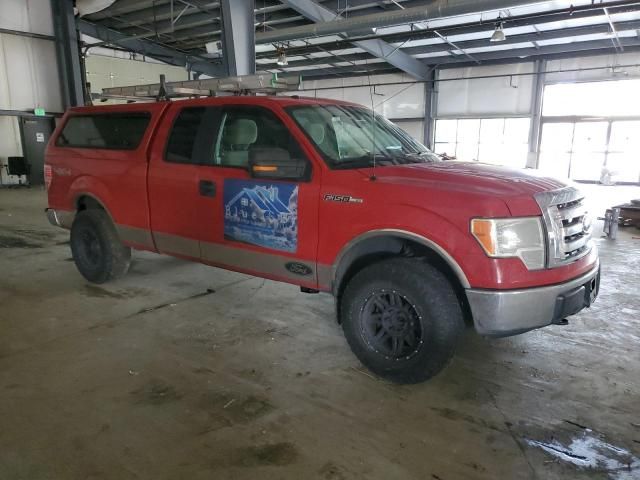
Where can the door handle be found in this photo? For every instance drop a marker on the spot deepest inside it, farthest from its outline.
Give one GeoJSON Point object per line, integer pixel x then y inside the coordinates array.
{"type": "Point", "coordinates": [207, 188]}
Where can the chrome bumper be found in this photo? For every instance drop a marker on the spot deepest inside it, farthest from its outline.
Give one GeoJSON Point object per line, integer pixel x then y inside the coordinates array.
{"type": "Point", "coordinates": [511, 312]}
{"type": "Point", "coordinates": [60, 218]}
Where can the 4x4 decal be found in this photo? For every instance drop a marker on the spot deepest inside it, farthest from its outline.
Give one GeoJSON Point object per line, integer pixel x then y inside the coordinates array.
{"type": "Point", "coordinates": [330, 197]}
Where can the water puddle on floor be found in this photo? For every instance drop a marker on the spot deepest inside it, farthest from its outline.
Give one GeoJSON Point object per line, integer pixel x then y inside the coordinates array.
{"type": "Point", "coordinates": [588, 451]}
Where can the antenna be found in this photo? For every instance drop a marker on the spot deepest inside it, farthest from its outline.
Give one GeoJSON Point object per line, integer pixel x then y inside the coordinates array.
{"type": "Point", "coordinates": [373, 130]}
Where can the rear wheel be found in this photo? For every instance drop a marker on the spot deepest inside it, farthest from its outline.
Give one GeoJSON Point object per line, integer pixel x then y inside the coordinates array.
{"type": "Point", "coordinates": [97, 251]}
{"type": "Point", "coordinates": [402, 319]}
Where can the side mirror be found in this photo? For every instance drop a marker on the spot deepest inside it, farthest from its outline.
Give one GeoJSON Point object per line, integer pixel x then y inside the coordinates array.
{"type": "Point", "coordinates": [276, 163]}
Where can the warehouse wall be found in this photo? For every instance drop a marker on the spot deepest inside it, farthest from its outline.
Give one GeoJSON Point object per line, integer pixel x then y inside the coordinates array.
{"type": "Point", "coordinates": [616, 68]}
{"type": "Point", "coordinates": [110, 70]}
{"type": "Point", "coordinates": [28, 72]}
{"type": "Point", "coordinates": [503, 95]}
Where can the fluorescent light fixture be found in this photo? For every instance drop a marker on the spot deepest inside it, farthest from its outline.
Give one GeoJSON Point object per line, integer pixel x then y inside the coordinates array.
{"type": "Point", "coordinates": [498, 34]}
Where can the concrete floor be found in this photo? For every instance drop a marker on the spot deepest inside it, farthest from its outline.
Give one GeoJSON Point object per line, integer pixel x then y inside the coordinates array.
{"type": "Point", "coordinates": [181, 371]}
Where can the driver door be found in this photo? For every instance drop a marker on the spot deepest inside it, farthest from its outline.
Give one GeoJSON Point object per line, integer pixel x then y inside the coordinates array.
{"type": "Point", "coordinates": [267, 227]}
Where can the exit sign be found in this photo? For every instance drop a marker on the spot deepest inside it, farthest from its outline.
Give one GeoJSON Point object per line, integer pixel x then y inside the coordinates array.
{"type": "Point", "coordinates": [39, 112]}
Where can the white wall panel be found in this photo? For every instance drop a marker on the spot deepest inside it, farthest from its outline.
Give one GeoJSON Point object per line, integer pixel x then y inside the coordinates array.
{"type": "Point", "coordinates": [401, 101]}
{"type": "Point", "coordinates": [28, 74]}
{"type": "Point", "coordinates": [413, 128]}
{"type": "Point", "coordinates": [510, 95]}
{"type": "Point", "coordinates": [26, 16]}
{"type": "Point", "coordinates": [610, 62]}
{"type": "Point", "coordinates": [104, 72]}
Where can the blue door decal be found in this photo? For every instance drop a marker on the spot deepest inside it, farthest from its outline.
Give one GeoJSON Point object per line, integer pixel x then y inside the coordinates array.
{"type": "Point", "coordinates": [261, 214]}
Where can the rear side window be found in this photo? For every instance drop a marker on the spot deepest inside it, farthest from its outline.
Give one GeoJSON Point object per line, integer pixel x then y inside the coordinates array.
{"type": "Point", "coordinates": [191, 137]}
{"type": "Point", "coordinates": [114, 131]}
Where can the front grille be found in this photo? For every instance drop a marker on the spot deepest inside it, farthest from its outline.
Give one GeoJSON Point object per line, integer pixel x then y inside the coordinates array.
{"type": "Point", "coordinates": [568, 225]}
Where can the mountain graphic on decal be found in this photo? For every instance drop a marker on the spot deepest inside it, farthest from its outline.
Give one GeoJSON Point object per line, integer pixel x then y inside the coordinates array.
{"type": "Point", "coordinates": [263, 215]}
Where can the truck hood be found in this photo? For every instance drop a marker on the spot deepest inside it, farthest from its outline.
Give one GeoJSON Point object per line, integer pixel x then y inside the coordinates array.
{"type": "Point", "coordinates": [515, 187]}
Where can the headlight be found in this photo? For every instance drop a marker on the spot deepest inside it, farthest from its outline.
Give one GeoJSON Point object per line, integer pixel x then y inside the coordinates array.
{"type": "Point", "coordinates": [521, 238]}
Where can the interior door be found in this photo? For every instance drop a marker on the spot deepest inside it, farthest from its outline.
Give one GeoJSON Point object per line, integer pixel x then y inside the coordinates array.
{"type": "Point", "coordinates": [35, 133]}
{"type": "Point", "coordinates": [264, 227]}
{"type": "Point", "coordinates": [181, 199]}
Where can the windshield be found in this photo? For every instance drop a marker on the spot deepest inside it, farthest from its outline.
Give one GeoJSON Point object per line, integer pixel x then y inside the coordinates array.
{"type": "Point", "coordinates": [351, 137]}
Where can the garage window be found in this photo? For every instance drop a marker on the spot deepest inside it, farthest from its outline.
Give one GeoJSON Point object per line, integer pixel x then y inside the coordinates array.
{"type": "Point", "coordinates": [114, 131]}
{"type": "Point", "coordinates": [590, 131]}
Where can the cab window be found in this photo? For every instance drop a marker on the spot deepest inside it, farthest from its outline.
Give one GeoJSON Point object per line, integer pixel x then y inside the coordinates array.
{"type": "Point", "coordinates": [245, 128]}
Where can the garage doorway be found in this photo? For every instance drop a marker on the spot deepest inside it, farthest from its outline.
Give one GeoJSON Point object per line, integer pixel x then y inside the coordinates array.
{"type": "Point", "coordinates": [591, 131]}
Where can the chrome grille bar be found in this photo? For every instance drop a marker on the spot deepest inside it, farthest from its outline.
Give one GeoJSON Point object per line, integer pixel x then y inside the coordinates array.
{"type": "Point", "coordinates": [567, 224]}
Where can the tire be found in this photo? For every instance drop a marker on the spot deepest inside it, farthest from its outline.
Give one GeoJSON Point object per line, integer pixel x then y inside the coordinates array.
{"type": "Point", "coordinates": [97, 250]}
{"type": "Point", "coordinates": [402, 319]}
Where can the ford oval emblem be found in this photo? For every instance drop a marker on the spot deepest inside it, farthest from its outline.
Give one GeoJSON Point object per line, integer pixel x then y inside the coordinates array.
{"type": "Point", "coordinates": [299, 268]}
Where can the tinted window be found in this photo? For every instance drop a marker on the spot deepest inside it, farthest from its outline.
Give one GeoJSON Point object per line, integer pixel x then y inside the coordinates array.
{"type": "Point", "coordinates": [117, 131]}
{"type": "Point", "coordinates": [245, 128]}
{"type": "Point", "coordinates": [192, 135]}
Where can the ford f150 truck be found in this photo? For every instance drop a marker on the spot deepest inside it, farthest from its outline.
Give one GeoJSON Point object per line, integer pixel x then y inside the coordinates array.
{"type": "Point", "coordinates": [330, 197]}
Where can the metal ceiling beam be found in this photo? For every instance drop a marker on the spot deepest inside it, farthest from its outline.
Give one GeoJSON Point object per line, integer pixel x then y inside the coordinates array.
{"type": "Point", "coordinates": [167, 26]}
{"type": "Point", "coordinates": [596, 47]}
{"type": "Point", "coordinates": [436, 9]}
{"type": "Point", "coordinates": [575, 13]}
{"type": "Point", "coordinates": [484, 42]}
{"type": "Point", "coordinates": [526, 54]}
{"type": "Point", "coordinates": [281, 17]}
{"type": "Point", "coordinates": [238, 37]}
{"type": "Point", "coordinates": [378, 48]}
{"type": "Point", "coordinates": [195, 28]}
{"type": "Point", "coordinates": [206, 34]}
{"type": "Point", "coordinates": [161, 12]}
{"type": "Point", "coordinates": [133, 6]}
{"type": "Point", "coordinates": [149, 49]}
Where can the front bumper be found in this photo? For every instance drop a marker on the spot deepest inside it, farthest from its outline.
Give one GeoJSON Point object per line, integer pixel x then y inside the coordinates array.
{"type": "Point", "coordinates": [511, 312]}
{"type": "Point", "coordinates": [60, 218]}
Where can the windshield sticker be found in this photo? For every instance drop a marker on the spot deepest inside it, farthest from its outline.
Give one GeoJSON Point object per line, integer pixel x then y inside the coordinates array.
{"type": "Point", "coordinates": [261, 214]}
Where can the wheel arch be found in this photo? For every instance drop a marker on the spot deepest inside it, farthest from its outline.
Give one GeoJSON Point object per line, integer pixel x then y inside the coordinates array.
{"type": "Point", "coordinates": [86, 201]}
{"type": "Point", "coordinates": [377, 245]}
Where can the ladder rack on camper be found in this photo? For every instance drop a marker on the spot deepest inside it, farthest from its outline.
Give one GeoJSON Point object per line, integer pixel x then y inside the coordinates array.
{"type": "Point", "coordinates": [242, 85]}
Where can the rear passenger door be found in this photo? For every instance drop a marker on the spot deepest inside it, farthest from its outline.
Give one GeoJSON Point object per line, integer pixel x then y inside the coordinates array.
{"type": "Point", "coordinates": [180, 198]}
{"type": "Point", "coordinates": [264, 227]}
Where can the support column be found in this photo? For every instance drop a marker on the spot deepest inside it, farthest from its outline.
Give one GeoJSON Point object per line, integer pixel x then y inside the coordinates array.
{"type": "Point", "coordinates": [536, 114]}
{"type": "Point", "coordinates": [238, 37]}
{"type": "Point", "coordinates": [67, 53]}
{"type": "Point", "coordinates": [431, 104]}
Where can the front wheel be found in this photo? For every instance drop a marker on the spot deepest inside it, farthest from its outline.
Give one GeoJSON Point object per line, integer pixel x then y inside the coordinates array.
{"type": "Point", "coordinates": [402, 319]}
{"type": "Point", "coordinates": [97, 251]}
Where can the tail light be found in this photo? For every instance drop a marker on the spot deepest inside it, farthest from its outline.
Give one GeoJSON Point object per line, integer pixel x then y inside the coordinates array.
{"type": "Point", "coordinates": [48, 176]}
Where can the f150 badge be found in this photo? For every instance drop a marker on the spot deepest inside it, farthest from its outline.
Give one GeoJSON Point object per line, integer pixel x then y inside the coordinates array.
{"type": "Point", "coordinates": [330, 197]}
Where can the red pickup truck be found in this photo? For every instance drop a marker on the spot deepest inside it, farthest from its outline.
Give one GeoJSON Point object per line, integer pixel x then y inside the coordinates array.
{"type": "Point", "coordinates": [328, 196]}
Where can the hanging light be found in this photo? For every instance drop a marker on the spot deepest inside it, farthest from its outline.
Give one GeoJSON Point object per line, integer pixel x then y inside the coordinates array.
{"type": "Point", "coordinates": [498, 34]}
{"type": "Point", "coordinates": [282, 57]}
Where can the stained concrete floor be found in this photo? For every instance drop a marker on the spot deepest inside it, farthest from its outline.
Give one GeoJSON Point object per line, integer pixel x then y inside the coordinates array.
{"type": "Point", "coordinates": [181, 371]}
